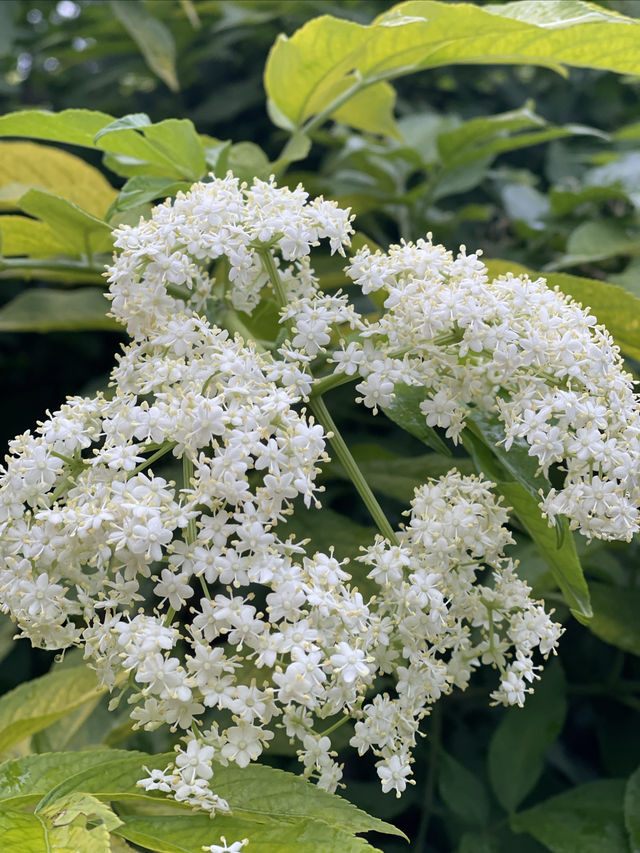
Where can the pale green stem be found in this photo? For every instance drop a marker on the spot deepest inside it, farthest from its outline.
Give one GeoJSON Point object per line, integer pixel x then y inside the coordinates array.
{"type": "Point", "coordinates": [166, 447]}
{"type": "Point", "coordinates": [335, 726]}
{"type": "Point", "coordinates": [187, 475]}
{"type": "Point", "coordinates": [350, 465]}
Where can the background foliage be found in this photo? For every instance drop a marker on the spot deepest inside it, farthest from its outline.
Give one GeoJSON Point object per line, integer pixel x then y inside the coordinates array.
{"type": "Point", "coordinates": [538, 169]}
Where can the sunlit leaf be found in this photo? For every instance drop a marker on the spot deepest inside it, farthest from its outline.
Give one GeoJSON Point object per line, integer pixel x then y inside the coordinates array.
{"type": "Point", "coordinates": [27, 165]}
{"type": "Point", "coordinates": [44, 310]}
{"type": "Point", "coordinates": [329, 59]}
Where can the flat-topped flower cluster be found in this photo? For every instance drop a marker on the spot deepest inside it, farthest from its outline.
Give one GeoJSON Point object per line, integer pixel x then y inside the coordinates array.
{"type": "Point", "coordinates": [187, 585]}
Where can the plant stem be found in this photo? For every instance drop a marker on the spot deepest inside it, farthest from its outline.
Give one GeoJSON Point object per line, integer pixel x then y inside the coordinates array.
{"type": "Point", "coordinates": [166, 447]}
{"type": "Point", "coordinates": [322, 414]}
{"type": "Point", "coordinates": [432, 775]}
{"type": "Point", "coordinates": [191, 533]}
{"type": "Point", "coordinates": [351, 467]}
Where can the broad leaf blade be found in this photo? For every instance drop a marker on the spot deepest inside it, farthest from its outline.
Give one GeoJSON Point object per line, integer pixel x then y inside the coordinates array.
{"type": "Point", "coordinates": [38, 703]}
{"type": "Point", "coordinates": [588, 818]}
{"type": "Point", "coordinates": [328, 58]}
{"type": "Point", "coordinates": [152, 37]}
{"type": "Point", "coordinates": [518, 745]}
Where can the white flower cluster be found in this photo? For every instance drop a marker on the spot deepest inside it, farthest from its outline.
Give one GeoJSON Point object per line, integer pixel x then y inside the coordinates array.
{"type": "Point", "coordinates": [554, 375]}
{"type": "Point", "coordinates": [191, 592]}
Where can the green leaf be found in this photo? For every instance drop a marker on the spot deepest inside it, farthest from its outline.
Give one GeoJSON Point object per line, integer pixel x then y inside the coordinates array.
{"type": "Point", "coordinates": [75, 127]}
{"type": "Point", "coordinates": [615, 615]}
{"type": "Point", "coordinates": [189, 834]}
{"type": "Point", "coordinates": [588, 819]}
{"type": "Point", "coordinates": [172, 148]}
{"type": "Point", "coordinates": [26, 780]}
{"type": "Point", "coordinates": [561, 556]}
{"type": "Point", "coordinates": [256, 793]}
{"type": "Point", "coordinates": [142, 189]}
{"type": "Point", "coordinates": [44, 310]}
{"type": "Point", "coordinates": [519, 743]}
{"type": "Point", "coordinates": [22, 235]}
{"type": "Point", "coordinates": [614, 307]}
{"type": "Point", "coordinates": [632, 810]}
{"type": "Point", "coordinates": [26, 165]}
{"type": "Point", "coordinates": [463, 793]}
{"type": "Point", "coordinates": [491, 135]}
{"type": "Point", "coordinates": [38, 703]}
{"type": "Point", "coordinates": [64, 811]}
{"type": "Point", "coordinates": [29, 833]}
{"type": "Point", "coordinates": [371, 110]}
{"type": "Point", "coordinates": [86, 233]}
{"type": "Point", "coordinates": [168, 149]}
{"type": "Point", "coordinates": [152, 37]}
{"type": "Point", "coordinates": [596, 241]}
{"type": "Point", "coordinates": [629, 278]}
{"type": "Point", "coordinates": [247, 160]}
{"type": "Point", "coordinates": [131, 121]}
{"type": "Point", "coordinates": [328, 60]}
{"type": "Point", "coordinates": [404, 410]}
{"type": "Point", "coordinates": [346, 535]}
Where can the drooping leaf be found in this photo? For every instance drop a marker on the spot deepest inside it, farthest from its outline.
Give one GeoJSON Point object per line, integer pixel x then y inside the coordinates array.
{"type": "Point", "coordinates": [615, 615]}
{"type": "Point", "coordinates": [519, 743]}
{"type": "Point", "coordinates": [632, 810]}
{"type": "Point", "coordinates": [152, 37]}
{"type": "Point", "coordinates": [28, 165]}
{"type": "Point", "coordinates": [462, 791]}
{"type": "Point", "coordinates": [38, 703]}
{"type": "Point", "coordinates": [86, 233]}
{"type": "Point", "coordinates": [168, 149]}
{"type": "Point", "coordinates": [614, 307]}
{"type": "Point", "coordinates": [44, 310]}
{"type": "Point", "coordinates": [328, 58]}
{"type": "Point", "coordinates": [64, 811]}
{"type": "Point", "coordinates": [588, 818]}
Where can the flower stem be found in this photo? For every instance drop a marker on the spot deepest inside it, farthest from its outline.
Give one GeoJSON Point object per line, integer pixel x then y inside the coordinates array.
{"type": "Point", "coordinates": [322, 414]}
{"type": "Point", "coordinates": [351, 467]}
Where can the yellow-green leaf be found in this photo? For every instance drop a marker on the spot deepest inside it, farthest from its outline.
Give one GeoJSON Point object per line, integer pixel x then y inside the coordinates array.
{"type": "Point", "coordinates": [71, 223]}
{"type": "Point", "coordinates": [36, 704]}
{"type": "Point", "coordinates": [75, 127]}
{"type": "Point", "coordinates": [329, 60]}
{"type": "Point", "coordinates": [22, 235]}
{"type": "Point", "coordinates": [28, 165]}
